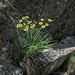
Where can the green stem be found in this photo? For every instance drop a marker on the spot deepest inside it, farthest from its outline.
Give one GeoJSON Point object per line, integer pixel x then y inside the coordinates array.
{"type": "Point", "coordinates": [36, 35]}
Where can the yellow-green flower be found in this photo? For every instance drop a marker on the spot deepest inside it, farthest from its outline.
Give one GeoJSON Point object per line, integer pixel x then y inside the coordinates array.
{"type": "Point", "coordinates": [27, 17]}
{"type": "Point", "coordinates": [50, 20]}
{"type": "Point", "coordinates": [35, 22]}
{"type": "Point", "coordinates": [20, 20]}
{"type": "Point", "coordinates": [24, 18]}
{"type": "Point", "coordinates": [25, 29]}
{"type": "Point", "coordinates": [46, 24]}
{"type": "Point", "coordinates": [19, 25]}
{"type": "Point", "coordinates": [40, 23]}
{"type": "Point", "coordinates": [29, 22]}
{"type": "Point", "coordinates": [27, 26]}
{"type": "Point", "coordinates": [42, 19]}
{"type": "Point", "coordinates": [43, 26]}
{"type": "Point", "coordinates": [24, 23]}
{"type": "Point", "coordinates": [31, 27]}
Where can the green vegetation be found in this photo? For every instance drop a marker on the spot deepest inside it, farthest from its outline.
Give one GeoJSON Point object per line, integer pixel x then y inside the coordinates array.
{"type": "Point", "coordinates": [31, 39]}
{"type": "Point", "coordinates": [71, 60]}
{"type": "Point", "coordinates": [57, 36]}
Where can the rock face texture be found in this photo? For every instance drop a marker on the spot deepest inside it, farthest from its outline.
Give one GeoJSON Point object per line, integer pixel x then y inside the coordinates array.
{"type": "Point", "coordinates": [63, 14]}
{"type": "Point", "coordinates": [49, 60]}
{"type": "Point", "coordinates": [61, 11]}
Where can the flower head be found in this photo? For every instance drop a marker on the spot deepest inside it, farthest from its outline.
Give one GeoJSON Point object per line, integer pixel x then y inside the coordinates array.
{"type": "Point", "coordinates": [50, 20]}
{"type": "Point", "coordinates": [19, 25]}
{"type": "Point", "coordinates": [24, 23]}
{"type": "Point", "coordinates": [31, 27]}
{"type": "Point", "coordinates": [27, 26]}
{"type": "Point", "coordinates": [20, 20]}
{"type": "Point", "coordinates": [24, 18]}
{"type": "Point", "coordinates": [25, 29]}
{"type": "Point", "coordinates": [46, 24]}
{"type": "Point", "coordinates": [27, 17]}
{"type": "Point", "coordinates": [40, 23]}
{"type": "Point", "coordinates": [43, 26]}
{"type": "Point", "coordinates": [42, 19]}
{"type": "Point", "coordinates": [35, 22]}
{"type": "Point", "coordinates": [29, 22]}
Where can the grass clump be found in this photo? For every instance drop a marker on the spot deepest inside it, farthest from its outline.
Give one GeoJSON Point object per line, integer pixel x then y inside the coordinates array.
{"type": "Point", "coordinates": [30, 37]}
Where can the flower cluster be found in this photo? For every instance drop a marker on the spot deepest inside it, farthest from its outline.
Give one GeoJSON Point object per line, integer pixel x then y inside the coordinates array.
{"type": "Point", "coordinates": [32, 39]}
{"type": "Point", "coordinates": [43, 25]}
{"type": "Point", "coordinates": [27, 24]}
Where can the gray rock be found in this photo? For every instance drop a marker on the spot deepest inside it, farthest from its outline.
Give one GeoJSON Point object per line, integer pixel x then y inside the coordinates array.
{"type": "Point", "coordinates": [49, 60]}
{"type": "Point", "coordinates": [4, 49]}
{"type": "Point", "coordinates": [70, 72]}
{"type": "Point", "coordinates": [2, 6]}
{"type": "Point", "coordinates": [9, 68]}
{"type": "Point", "coordinates": [62, 12]}
{"type": "Point", "coordinates": [66, 43]}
